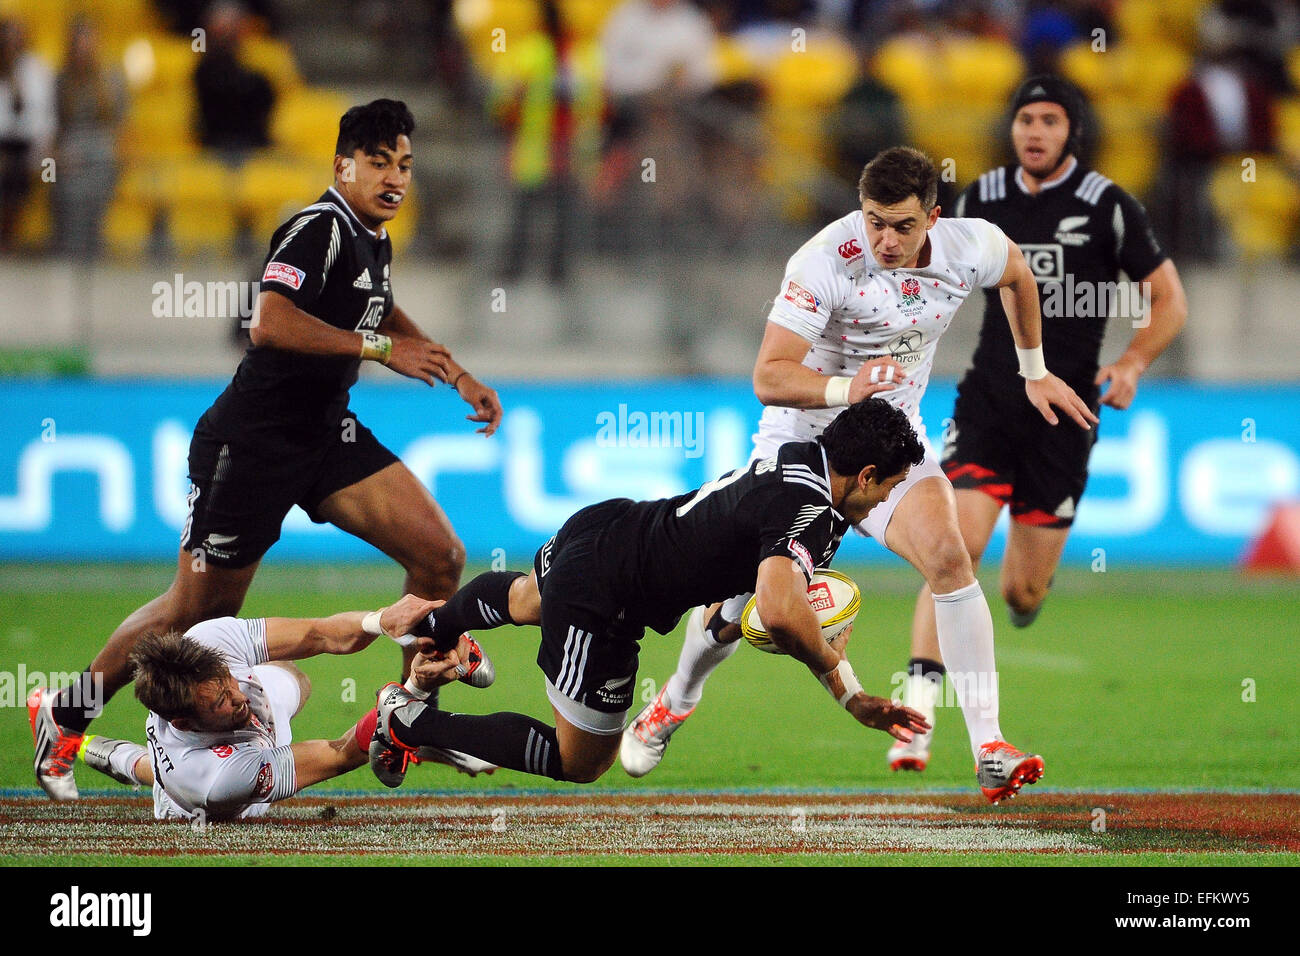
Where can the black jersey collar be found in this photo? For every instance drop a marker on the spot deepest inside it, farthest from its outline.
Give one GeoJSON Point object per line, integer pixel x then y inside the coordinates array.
{"type": "Point", "coordinates": [1020, 178]}
{"type": "Point", "coordinates": [332, 195]}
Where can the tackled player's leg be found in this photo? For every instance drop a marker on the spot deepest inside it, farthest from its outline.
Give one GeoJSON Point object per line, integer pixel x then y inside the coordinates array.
{"type": "Point", "coordinates": [201, 590]}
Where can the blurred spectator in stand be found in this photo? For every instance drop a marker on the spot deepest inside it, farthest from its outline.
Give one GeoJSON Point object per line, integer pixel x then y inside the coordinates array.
{"type": "Point", "coordinates": [91, 103]}
{"type": "Point", "coordinates": [659, 54]}
{"type": "Point", "coordinates": [182, 16]}
{"type": "Point", "coordinates": [550, 107]}
{"type": "Point", "coordinates": [1222, 108]}
{"type": "Point", "coordinates": [1046, 31]}
{"type": "Point", "coordinates": [27, 124]}
{"type": "Point", "coordinates": [234, 102]}
{"type": "Point", "coordinates": [868, 119]}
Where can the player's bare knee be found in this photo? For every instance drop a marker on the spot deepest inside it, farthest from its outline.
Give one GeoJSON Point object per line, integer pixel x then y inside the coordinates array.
{"type": "Point", "coordinates": [949, 567]}
{"type": "Point", "coordinates": [439, 565]}
{"type": "Point", "coordinates": [1023, 597]}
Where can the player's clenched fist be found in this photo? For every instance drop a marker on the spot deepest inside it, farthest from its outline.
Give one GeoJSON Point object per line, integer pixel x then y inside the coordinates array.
{"type": "Point", "coordinates": [883, 714]}
{"type": "Point", "coordinates": [419, 358]}
{"type": "Point", "coordinates": [878, 375]}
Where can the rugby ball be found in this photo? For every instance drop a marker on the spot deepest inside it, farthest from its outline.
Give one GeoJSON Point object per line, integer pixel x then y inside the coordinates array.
{"type": "Point", "coordinates": [833, 596]}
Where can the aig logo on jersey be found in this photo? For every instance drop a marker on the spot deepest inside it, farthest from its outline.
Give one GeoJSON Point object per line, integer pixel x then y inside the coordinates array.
{"type": "Point", "coordinates": [1046, 260]}
{"type": "Point", "coordinates": [373, 315]}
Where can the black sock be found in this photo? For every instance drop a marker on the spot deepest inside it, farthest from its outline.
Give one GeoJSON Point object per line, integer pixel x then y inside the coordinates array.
{"type": "Point", "coordinates": [508, 740]}
{"type": "Point", "coordinates": [932, 671]}
{"type": "Point", "coordinates": [76, 705]}
{"type": "Point", "coordinates": [482, 604]}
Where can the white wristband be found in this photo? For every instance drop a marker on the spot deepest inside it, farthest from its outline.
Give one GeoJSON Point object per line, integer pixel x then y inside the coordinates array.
{"type": "Point", "coordinates": [414, 689]}
{"type": "Point", "coordinates": [837, 391]}
{"type": "Point", "coordinates": [842, 682]}
{"type": "Point", "coordinates": [1032, 365]}
{"type": "Point", "coordinates": [370, 623]}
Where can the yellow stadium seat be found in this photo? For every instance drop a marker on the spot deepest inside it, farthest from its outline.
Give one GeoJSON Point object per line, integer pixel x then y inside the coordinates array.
{"type": "Point", "coordinates": [1288, 127]}
{"type": "Point", "coordinates": [1096, 74]}
{"type": "Point", "coordinates": [981, 72]}
{"type": "Point", "coordinates": [270, 188]}
{"type": "Point", "coordinates": [1163, 66]}
{"type": "Point", "coordinates": [489, 26]}
{"type": "Point", "coordinates": [273, 59]}
{"type": "Point", "coordinates": [174, 62]}
{"type": "Point", "coordinates": [36, 225]}
{"type": "Point", "coordinates": [586, 18]}
{"type": "Point", "coordinates": [1258, 202]}
{"type": "Point", "coordinates": [202, 214]}
{"type": "Point", "coordinates": [818, 76]}
{"type": "Point", "coordinates": [306, 123]}
{"type": "Point", "coordinates": [733, 62]}
{"type": "Point", "coordinates": [127, 228]}
{"type": "Point", "coordinates": [159, 124]}
{"type": "Point", "coordinates": [908, 67]}
{"type": "Point", "coordinates": [1129, 152]}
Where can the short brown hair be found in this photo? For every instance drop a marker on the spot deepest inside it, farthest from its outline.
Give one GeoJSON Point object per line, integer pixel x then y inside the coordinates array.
{"type": "Point", "coordinates": [897, 173]}
{"type": "Point", "coordinates": [168, 667]}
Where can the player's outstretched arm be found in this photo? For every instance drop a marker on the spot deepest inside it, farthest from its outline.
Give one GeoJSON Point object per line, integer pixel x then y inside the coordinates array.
{"type": "Point", "coordinates": [292, 639]}
{"type": "Point", "coordinates": [1019, 292]}
{"type": "Point", "coordinates": [317, 760]}
{"type": "Point", "coordinates": [1168, 314]}
{"type": "Point", "coordinates": [407, 337]}
{"type": "Point", "coordinates": [781, 594]}
{"type": "Point", "coordinates": [781, 378]}
{"type": "Point", "coordinates": [279, 324]}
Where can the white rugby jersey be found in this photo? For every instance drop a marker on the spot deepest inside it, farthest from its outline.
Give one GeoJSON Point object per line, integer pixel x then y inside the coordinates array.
{"type": "Point", "coordinates": [852, 310]}
{"type": "Point", "coordinates": [235, 773]}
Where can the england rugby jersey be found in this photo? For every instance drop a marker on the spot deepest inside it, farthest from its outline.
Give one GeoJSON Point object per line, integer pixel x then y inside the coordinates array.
{"type": "Point", "coordinates": [852, 310]}
{"type": "Point", "coordinates": [234, 773]}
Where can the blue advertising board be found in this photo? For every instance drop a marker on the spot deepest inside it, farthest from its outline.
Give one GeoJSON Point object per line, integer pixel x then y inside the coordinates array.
{"type": "Point", "coordinates": [97, 470]}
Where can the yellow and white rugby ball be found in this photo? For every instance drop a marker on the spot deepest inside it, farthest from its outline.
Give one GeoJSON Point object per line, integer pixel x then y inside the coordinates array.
{"type": "Point", "coordinates": [833, 596]}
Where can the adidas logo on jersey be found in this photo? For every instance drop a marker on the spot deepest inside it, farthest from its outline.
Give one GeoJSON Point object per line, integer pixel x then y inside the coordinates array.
{"type": "Point", "coordinates": [363, 281]}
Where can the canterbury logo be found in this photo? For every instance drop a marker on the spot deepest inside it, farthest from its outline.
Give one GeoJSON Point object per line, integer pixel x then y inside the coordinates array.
{"type": "Point", "coordinates": [850, 249]}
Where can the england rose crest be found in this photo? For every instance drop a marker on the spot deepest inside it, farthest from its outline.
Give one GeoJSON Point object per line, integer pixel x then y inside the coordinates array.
{"type": "Point", "coordinates": [911, 289]}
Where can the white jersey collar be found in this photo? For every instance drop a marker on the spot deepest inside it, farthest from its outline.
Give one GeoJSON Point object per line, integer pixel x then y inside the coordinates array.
{"type": "Point", "coordinates": [1069, 171]}
{"type": "Point", "coordinates": [340, 201]}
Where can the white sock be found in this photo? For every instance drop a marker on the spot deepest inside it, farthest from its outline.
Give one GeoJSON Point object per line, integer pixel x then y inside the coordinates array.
{"type": "Point", "coordinates": [124, 758]}
{"type": "Point", "coordinates": [700, 656]}
{"type": "Point", "coordinates": [921, 693]}
{"type": "Point", "coordinates": [966, 643]}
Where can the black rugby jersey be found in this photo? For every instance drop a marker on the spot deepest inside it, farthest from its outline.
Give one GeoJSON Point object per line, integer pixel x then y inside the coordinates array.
{"type": "Point", "coordinates": [329, 265]}
{"type": "Point", "coordinates": [1076, 234]}
{"type": "Point", "coordinates": [663, 558]}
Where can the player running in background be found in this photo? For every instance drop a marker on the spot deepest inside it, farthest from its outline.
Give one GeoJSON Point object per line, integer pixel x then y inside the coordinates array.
{"type": "Point", "coordinates": [282, 433]}
{"type": "Point", "coordinates": [220, 698]}
{"type": "Point", "coordinates": [1078, 231]}
{"type": "Point", "coordinates": [621, 566]}
{"type": "Point", "coordinates": [861, 308]}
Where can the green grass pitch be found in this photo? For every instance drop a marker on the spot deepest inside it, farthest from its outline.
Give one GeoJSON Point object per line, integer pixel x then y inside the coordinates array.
{"type": "Point", "coordinates": [1162, 679]}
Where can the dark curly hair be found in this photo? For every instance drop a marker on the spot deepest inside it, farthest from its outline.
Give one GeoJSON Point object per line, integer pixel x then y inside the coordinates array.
{"type": "Point", "coordinates": [872, 432]}
{"type": "Point", "coordinates": [375, 125]}
{"type": "Point", "coordinates": [168, 667]}
{"type": "Point", "coordinates": [899, 172]}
